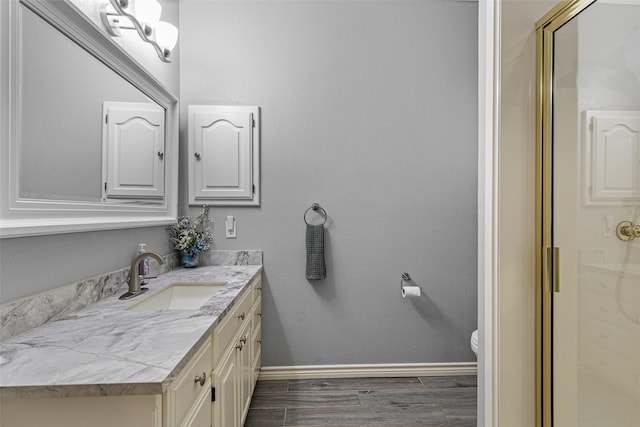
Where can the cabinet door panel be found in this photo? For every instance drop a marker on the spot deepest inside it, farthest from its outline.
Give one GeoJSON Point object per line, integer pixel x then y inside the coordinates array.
{"type": "Point", "coordinates": [133, 150]}
{"type": "Point", "coordinates": [224, 408]}
{"type": "Point", "coordinates": [223, 141]}
{"type": "Point", "coordinates": [243, 362]}
{"type": "Point", "coordinates": [201, 414]}
{"type": "Point", "coordinates": [223, 155]}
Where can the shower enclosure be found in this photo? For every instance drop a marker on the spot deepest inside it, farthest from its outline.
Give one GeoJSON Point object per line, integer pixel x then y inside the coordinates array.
{"type": "Point", "coordinates": [588, 224]}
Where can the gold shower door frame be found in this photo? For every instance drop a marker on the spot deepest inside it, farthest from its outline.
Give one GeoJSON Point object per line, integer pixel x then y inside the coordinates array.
{"type": "Point", "coordinates": [546, 256]}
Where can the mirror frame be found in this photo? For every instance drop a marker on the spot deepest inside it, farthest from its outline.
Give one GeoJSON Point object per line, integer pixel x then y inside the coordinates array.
{"type": "Point", "coordinates": [562, 13]}
{"type": "Point", "coordinates": [30, 217]}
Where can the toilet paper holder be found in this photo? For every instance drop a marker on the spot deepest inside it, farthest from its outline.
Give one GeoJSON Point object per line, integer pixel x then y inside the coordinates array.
{"type": "Point", "coordinates": [411, 290]}
{"type": "Point", "coordinates": [405, 278]}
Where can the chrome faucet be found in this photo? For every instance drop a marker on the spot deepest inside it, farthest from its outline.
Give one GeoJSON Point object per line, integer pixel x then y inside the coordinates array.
{"type": "Point", "coordinates": [135, 277]}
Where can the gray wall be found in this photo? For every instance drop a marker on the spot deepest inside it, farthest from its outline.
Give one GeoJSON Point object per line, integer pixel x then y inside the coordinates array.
{"type": "Point", "coordinates": [370, 109]}
{"type": "Point", "coordinates": [35, 264]}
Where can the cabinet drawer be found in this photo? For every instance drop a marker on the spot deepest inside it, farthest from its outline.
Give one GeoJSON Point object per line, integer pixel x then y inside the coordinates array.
{"type": "Point", "coordinates": [256, 288]}
{"type": "Point", "coordinates": [256, 311]}
{"type": "Point", "coordinates": [614, 368]}
{"type": "Point", "coordinates": [608, 311]}
{"type": "Point", "coordinates": [606, 285]}
{"type": "Point", "coordinates": [602, 335]}
{"type": "Point", "coordinates": [224, 333]}
{"type": "Point", "coordinates": [184, 392]}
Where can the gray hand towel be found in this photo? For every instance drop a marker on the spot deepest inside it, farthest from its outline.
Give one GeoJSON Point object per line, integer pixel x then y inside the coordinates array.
{"type": "Point", "coordinates": [316, 268]}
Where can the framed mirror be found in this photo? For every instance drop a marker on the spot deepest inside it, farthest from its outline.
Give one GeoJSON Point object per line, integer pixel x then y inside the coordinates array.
{"type": "Point", "coordinates": [89, 137]}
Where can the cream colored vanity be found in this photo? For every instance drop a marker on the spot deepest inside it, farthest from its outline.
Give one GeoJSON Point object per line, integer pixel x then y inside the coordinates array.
{"type": "Point", "coordinates": [213, 388]}
{"type": "Point", "coordinates": [236, 355]}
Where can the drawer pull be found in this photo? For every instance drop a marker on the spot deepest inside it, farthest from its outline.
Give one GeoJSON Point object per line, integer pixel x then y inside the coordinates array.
{"type": "Point", "coordinates": [241, 316]}
{"type": "Point", "coordinates": [258, 288]}
{"type": "Point", "coordinates": [201, 379]}
{"type": "Point", "coordinates": [259, 341]}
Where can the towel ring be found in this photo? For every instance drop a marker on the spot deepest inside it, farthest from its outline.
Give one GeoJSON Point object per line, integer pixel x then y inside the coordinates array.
{"type": "Point", "coordinates": [316, 207]}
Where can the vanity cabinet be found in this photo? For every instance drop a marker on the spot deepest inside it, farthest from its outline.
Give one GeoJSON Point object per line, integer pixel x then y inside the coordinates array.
{"type": "Point", "coordinates": [609, 345]}
{"type": "Point", "coordinates": [212, 390]}
{"type": "Point", "coordinates": [223, 155]}
{"type": "Point", "coordinates": [186, 403]}
{"type": "Point", "coordinates": [235, 370]}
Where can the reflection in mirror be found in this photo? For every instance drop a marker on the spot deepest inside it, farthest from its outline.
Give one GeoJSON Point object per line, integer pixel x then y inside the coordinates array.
{"type": "Point", "coordinates": [133, 150]}
{"type": "Point", "coordinates": [66, 166]}
{"type": "Point", "coordinates": [594, 311]}
{"type": "Point", "coordinates": [61, 147]}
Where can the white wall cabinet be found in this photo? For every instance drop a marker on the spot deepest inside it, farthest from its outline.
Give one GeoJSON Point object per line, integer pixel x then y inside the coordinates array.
{"type": "Point", "coordinates": [133, 150]}
{"type": "Point", "coordinates": [224, 155]}
{"type": "Point", "coordinates": [611, 157]}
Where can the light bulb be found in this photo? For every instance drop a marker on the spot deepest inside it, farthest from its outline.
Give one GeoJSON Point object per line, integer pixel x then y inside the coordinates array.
{"type": "Point", "coordinates": [166, 35]}
{"type": "Point", "coordinates": [147, 11]}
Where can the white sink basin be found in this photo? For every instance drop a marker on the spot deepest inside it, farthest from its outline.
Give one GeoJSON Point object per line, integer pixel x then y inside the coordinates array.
{"type": "Point", "coordinates": [179, 296]}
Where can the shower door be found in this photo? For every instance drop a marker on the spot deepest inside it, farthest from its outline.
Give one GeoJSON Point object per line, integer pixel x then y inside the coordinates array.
{"type": "Point", "coordinates": [589, 201]}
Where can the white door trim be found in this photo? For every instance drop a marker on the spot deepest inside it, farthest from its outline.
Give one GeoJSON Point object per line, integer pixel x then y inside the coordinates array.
{"type": "Point", "coordinates": [488, 85]}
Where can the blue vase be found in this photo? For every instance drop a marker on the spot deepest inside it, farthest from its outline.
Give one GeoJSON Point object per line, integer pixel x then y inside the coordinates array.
{"type": "Point", "coordinates": [190, 261]}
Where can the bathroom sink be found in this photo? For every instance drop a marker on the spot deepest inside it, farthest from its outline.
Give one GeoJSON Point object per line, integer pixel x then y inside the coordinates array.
{"type": "Point", "coordinates": [179, 296]}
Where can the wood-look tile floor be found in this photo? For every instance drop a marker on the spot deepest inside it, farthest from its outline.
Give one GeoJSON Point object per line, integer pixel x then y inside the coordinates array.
{"type": "Point", "coordinates": [365, 402]}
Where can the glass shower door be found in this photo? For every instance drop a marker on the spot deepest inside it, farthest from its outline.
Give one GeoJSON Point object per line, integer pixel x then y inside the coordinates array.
{"type": "Point", "coordinates": [595, 175]}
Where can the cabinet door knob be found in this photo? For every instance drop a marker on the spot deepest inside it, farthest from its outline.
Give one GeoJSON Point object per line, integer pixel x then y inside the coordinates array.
{"type": "Point", "coordinates": [243, 340]}
{"type": "Point", "coordinates": [259, 314]}
{"type": "Point", "coordinates": [201, 379]}
{"type": "Point", "coordinates": [241, 316]}
{"type": "Point", "coordinates": [197, 156]}
{"type": "Point", "coordinates": [239, 346]}
{"type": "Point", "coordinates": [160, 154]}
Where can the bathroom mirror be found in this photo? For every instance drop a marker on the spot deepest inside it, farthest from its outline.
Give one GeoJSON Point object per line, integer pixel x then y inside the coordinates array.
{"type": "Point", "coordinates": [60, 75]}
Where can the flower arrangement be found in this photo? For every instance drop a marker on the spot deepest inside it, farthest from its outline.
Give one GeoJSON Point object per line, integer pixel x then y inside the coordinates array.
{"type": "Point", "coordinates": [191, 237]}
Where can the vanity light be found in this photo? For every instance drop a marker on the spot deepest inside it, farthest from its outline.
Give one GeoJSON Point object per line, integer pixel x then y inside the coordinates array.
{"type": "Point", "coordinates": [166, 35]}
{"type": "Point", "coordinates": [148, 14]}
{"type": "Point", "coordinates": [144, 17]}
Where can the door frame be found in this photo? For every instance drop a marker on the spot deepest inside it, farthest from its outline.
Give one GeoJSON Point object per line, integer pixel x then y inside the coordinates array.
{"type": "Point", "coordinates": [545, 263]}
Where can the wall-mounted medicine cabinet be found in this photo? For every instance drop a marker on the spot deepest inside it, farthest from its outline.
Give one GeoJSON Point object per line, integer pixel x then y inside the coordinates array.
{"type": "Point", "coordinates": [224, 155]}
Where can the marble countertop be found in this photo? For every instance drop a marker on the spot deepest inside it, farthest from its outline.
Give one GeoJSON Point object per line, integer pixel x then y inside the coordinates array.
{"type": "Point", "coordinates": [106, 350]}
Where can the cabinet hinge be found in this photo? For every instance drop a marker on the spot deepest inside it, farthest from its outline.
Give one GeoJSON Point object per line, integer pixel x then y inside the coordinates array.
{"type": "Point", "coordinates": [106, 118]}
{"type": "Point", "coordinates": [253, 122]}
{"type": "Point", "coordinates": [253, 188]}
{"type": "Point", "coordinates": [213, 394]}
{"type": "Point", "coordinates": [105, 186]}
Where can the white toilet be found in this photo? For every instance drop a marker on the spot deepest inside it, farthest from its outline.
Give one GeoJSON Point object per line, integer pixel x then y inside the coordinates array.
{"type": "Point", "coordinates": [474, 342]}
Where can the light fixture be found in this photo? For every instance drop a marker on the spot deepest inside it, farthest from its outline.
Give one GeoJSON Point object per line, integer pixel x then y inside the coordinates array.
{"type": "Point", "coordinates": [144, 17]}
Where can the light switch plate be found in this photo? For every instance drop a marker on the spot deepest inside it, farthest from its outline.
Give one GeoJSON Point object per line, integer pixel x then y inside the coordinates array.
{"type": "Point", "coordinates": [230, 227]}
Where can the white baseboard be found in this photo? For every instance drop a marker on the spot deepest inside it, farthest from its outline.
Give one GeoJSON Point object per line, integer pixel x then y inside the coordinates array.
{"type": "Point", "coordinates": [367, 371]}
